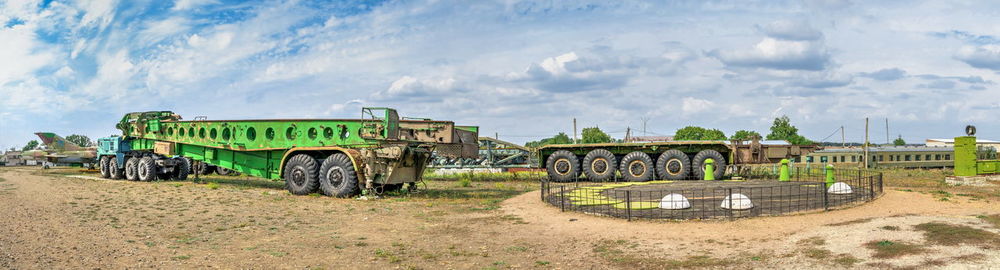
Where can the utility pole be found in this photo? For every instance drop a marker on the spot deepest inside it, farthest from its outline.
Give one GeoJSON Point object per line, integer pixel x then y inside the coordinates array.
{"type": "Point", "coordinates": [887, 139]}
{"type": "Point", "coordinates": [843, 139]}
{"type": "Point", "coordinates": [644, 120]}
{"type": "Point", "coordinates": [866, 144]}
{"type": "Point", "coordinates": [628, 133]}
{"type": "Point", "coordinates": [574, 130]}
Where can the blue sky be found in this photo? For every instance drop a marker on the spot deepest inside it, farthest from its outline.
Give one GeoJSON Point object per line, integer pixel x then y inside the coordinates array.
{"type": "Point", "coordinates": [523, 69]}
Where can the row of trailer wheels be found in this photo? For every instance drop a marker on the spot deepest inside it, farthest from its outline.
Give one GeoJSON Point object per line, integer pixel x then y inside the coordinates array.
{"type": "Point", "coordinates": [144, 168]}
{"type": "Point", "coordinates": [602, 165]}
{"type": "Point", "coordinates": [333, 176]}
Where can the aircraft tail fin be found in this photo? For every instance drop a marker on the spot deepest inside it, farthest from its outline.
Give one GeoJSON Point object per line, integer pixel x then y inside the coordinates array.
{"type": "Point", "coordinates": [53, 141]}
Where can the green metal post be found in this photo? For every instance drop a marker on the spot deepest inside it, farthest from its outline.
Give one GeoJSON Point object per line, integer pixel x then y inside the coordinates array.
{"type": "Point", "coordinates": [784, 174]}
{"type": "Point", "coordinates": [709, 171]}
{"type": "Point", "coordinates": [829, 174]}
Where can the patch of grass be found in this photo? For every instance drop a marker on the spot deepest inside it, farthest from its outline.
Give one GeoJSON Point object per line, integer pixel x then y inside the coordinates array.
{"type": "Point", "coordinates": [542, 263]}
{"type": "Point", "coordinates": [626, 255]}
{"type": "Point", "coordinates": [846, 260]}
{"type": "Point", "coordinates": [177, 185]}
{"type": "Point", "coordinates": [890, 228]}
{"type": "Point", "coordinates": [992, 219]}
{"type": "Point", "coordinates": [816, 253]}
{"type": "Point", "coordinates": [464, 182]}
{"type": "Point", "coordinates": [278, 254]}
{"type": "Point", "coordinates": [953, 235]}
{"type": "Point", "coordinates": [816, 241]}
{"type": "Point", "coordinates": [2, 180]}
{"type": "Point", "coordinates": [885, 249]}
{"type": "Point", "coordinates": [180, 258]}
{"type": "Point", "coordinates": [851, 222]}
{"type": "Point", "coordinates": [517, 249]}
{"type": "Point", "coordinates": [212, 185]}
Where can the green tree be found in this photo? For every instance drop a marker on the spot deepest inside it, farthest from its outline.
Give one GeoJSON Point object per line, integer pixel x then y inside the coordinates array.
{"type": "Point", "coordinates": [698, 133]}
{"type": "Point", "coordinates": [782, 129]}
{"type": "Point", "coordinates": [899, 141]}
{"type": "Point", "coordinates": [745, 135]}
{"type": "Point", "coordinates": [560, 138]}
{"type": "Point", "coordinates": [81, 140]}
{"type": "Point", "coordinates": [595, 135]}
{"type": "Point", "coordinates": [32, 145]}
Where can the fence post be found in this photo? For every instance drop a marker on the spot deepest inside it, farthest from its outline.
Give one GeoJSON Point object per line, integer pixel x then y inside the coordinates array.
{"type": "Point", "coordinates": [784, 172]}
{"type": "Point", "coordinates": [628, 204]}
{"type": "Point", "coordinates": [826, 203]}
{"type": "Point", "coordinates": [880, 190]}
{"type": "Point", "coordinates": [829, 174]}
{"type": "Point", "coordinates": [798, 174]}
{"type": "Point", "coordinates": [562, 198]}
{"type": "Point", "coordinates": [729, 194]}
{"type": "Point", "coordinates": [709, 170]}
{"type": "Point", "coordinates": [542, 190]}
{"type": "Point", "coordinates": [871, 187]}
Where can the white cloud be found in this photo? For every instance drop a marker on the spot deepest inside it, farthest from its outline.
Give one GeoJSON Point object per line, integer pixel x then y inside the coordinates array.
{"type": "Point", "coordinates": [190, 4]}
{"type": "Point", "coordinates": [778, 54]}
{"type": "Point", "coordinates": [690, 105]}
{"type": "Point", "coordinates": [986, 56]}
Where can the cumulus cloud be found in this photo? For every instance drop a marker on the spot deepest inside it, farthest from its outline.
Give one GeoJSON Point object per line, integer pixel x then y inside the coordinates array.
{"type": "Point", "coordinates": [778, 54]}
{"type": "Point", "coordinates": [886, 74]}
{"type": "Point", "coordinates": [985, 57]}
{"type": "Point", "coordinates": [790, 30]}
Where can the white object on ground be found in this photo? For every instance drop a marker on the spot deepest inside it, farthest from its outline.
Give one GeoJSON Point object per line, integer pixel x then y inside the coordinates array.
{"type": "Point", "coordinates": [736, 201]}
{"type": "Point", "coordinates": [674, 201]}
{"type": "Point", "coordinates": [840, 188]}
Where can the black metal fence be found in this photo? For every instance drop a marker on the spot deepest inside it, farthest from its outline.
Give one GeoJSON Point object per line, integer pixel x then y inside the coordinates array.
{"type": "Point", "coordinates": [748, 191]}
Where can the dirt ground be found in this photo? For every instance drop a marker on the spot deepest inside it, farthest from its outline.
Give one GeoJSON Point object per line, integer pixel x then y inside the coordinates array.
{"type": "Point", "coordinates": [52, 220]}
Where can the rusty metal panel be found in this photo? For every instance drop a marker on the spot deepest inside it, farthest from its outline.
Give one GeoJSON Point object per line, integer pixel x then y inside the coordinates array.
{"type": "Point", "coordinates": [164, 148]}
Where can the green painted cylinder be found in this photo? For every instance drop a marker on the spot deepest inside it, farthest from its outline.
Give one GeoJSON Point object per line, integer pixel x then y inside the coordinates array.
{"type": "Point", "coordinates": [829, 174]}
{"type": "Point", "coordinates": [784, 175]}
{"type": "Point", "coordinates": [709, 170]}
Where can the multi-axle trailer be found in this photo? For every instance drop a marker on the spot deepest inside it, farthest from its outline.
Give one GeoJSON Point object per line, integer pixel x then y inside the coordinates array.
{"type": "Point", "coordinates": [338, 157]}
{"type": "Point", "coordinates": [672, 160]}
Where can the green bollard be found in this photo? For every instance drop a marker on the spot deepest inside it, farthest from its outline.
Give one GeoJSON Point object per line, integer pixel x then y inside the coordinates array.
{"type": "Point", "coordinates": [784, 175]}
{"type": "Point", "coordinates": [709, 171]}
{"type": "Point", "coordinates": [829, 174]}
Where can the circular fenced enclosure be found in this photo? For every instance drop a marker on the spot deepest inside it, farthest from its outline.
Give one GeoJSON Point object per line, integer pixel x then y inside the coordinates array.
{"type": "Point", "coordinates": [745, 191]}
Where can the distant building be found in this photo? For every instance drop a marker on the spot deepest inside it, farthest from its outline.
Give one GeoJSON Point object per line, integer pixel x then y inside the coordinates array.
{"type": "Point", "coordinates": [951, 142]}
{"type": "Point", "coordinates": [12, 158]}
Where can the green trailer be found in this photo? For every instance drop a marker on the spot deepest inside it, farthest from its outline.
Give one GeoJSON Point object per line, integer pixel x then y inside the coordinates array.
{"type": "Point", "coordinates": [669, 160]}
{"type": "Point", "coordinates": [337, 157]}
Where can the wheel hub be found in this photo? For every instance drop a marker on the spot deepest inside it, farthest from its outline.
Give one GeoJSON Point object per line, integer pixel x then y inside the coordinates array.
{"type": "Point", "coordinates": [599, 166]}
{"type": "Point", "coordinates": [637, 168]}
{"type": "Point", "coordinates": [562, 166]}
{"type": "Point", "coordinates": [298, 176]}
{"type": "Point", "coordinates": [674, 166]}
{"type": "Point", "coordinates": [335, 176]}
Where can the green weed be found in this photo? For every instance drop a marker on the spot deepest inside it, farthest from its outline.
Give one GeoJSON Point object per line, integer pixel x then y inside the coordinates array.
{"type": "Point", "coordinates": [888, 249]}
{"type": "Point", "coordinates": [953, 235]}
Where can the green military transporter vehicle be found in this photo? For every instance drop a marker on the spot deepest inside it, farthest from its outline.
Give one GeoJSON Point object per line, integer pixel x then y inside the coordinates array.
{"type": "Point", "coordinates": [338, 157]}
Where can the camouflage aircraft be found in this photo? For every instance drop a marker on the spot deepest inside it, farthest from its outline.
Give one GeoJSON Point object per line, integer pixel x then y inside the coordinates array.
{"type": "Point", "coordinates": [60, 151]}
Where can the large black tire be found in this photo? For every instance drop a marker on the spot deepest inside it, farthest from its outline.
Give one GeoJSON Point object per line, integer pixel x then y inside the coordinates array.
{"type": "Point", "coordinates": [113, 169]}
{"type": "Point", "coordinates": [182, 170]}
{"type": "Point", "coordinates": [562, 166]}
{"type": "Point", "coordinates": [338, 178]}
{"type": "Point", "coordinates": [637, 167]}
{"type": "Point", "coordinates": [719, 164]}
{"type": "Point", "coordinates": [301, 175]}
{"type": "Point", "coordinates": [600, 165]}
{"type": "Point", "coordinates": [105, 173]}
{"type": "Point", "coordinates": [131, 169]}
{"type": "Point", "coordinates": [204, 168]}
{"type": "Point", "coordinates": [146, 169]}
{"type": "Point", "coordinates": [673, 165]}
{"type": "Point", "coordinates": [223, 171]}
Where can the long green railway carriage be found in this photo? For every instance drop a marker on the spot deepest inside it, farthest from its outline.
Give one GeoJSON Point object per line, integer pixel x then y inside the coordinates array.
{"type": "Point", "coordinates": [338, 157]}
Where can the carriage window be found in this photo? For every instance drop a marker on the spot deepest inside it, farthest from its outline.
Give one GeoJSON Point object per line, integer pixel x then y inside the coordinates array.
{"type": "Point", "coordinates": [854, 158]}
{"type": "Point", "coordinates": [907, 157]}
{"type": "Point", "coordinates": [892, 158]}
{"type": "Point", "coordinates": [822, 159]}
{"type": "Point", "coordinates": [947, 157]}
{"type": "Point", "coordinates": [881, 157]}
{"type": "Point", "coordinates": [937, 157]}
{"type": "Point", "coordinates": [927, 157]}
{"type": "Point", "coordinates": [917, 157]}
{"type": "Point", "coordinates": [809, 159]}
